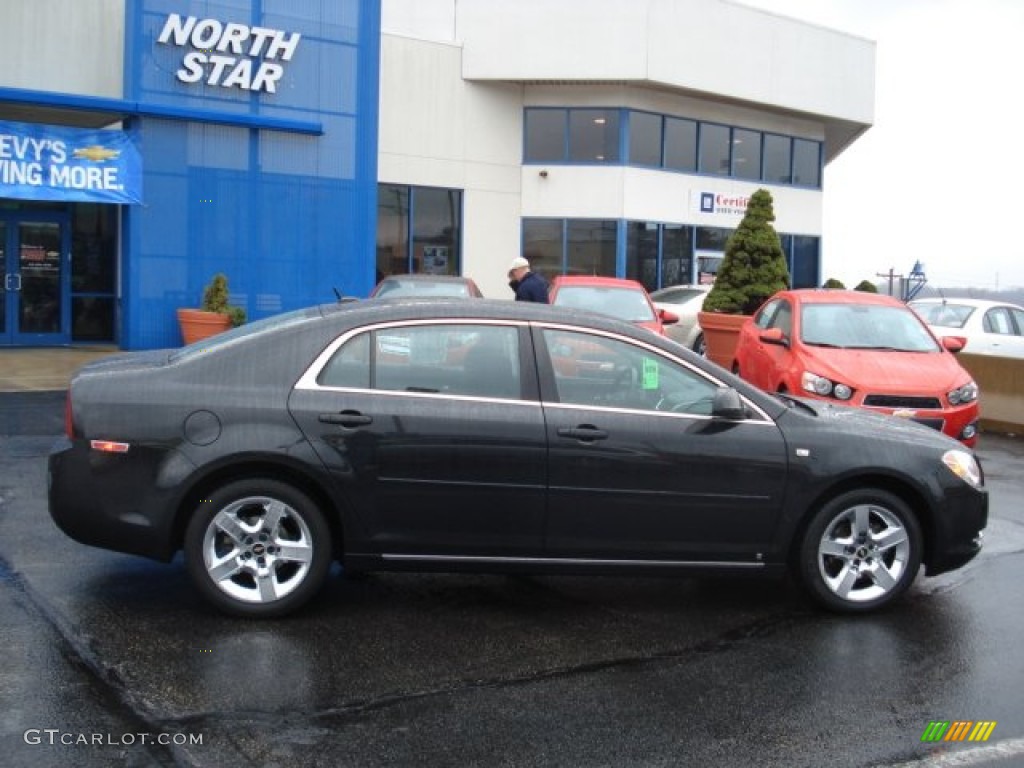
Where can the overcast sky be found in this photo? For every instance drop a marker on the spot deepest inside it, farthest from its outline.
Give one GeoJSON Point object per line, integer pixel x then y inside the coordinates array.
{"type": "Point", "coordinates": [938, 178]}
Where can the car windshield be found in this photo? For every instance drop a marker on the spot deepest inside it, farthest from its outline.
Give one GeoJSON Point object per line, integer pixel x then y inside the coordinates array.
{"type": "Point", "coordinates": [858, 326]}
{"type": "Point", "coordinates": [622, 303]}
{"type": "Point", "coordinates": [397, 288]}
{"type": "Point", "coordinates": [948, 315]}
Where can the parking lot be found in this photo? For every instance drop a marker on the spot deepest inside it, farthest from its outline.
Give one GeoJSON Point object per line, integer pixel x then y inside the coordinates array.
{"type": "Point", "coordinates": [116, 661]}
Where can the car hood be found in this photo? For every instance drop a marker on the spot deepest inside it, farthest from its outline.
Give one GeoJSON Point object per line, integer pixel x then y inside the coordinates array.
{"type": "Point", "coordinates": [868, 427]}
{"type": "Point", "coordinates": [888, 371]}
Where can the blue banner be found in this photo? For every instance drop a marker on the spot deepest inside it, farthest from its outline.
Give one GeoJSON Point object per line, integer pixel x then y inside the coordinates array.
{"type": "Point", "coordinates": [49, 162]}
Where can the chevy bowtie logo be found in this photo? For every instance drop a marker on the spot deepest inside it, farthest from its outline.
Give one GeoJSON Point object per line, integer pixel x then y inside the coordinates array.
{"type": "Point", "coordinates": [96, 153]}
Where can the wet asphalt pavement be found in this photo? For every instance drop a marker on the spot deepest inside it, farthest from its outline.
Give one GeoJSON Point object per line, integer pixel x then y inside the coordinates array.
{"type": "Point", "coordinates": [107, 655]}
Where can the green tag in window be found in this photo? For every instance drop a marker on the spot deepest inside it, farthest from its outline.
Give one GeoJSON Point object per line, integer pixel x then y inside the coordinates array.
{"type": "Point", "coordinates": [650, 375]}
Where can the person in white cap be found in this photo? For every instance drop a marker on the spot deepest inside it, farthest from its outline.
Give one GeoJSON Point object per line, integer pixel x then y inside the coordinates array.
{"type": "Point", "coordinates": [528, 286]}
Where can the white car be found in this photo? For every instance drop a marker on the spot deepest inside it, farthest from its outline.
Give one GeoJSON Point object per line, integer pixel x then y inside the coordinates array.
{"type": "Point", "coordinates": [990, 327]}
{"type": "Point", "coordinates": [685, 301]}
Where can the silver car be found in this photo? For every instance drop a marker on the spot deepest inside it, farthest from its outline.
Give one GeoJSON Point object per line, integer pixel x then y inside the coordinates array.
{"type": "Point", "coordinates": [685, 301]}
{"type": "Point", "coordinates": [990, 327]}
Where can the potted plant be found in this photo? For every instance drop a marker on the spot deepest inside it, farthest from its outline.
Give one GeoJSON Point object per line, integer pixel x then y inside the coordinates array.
{"type": "Point", "coordinates": [753, 268]}
{"type": "Point", "coordinates": [216, 314]}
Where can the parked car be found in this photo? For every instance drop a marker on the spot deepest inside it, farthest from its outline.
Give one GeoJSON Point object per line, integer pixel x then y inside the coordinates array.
{"type": "Point", "coordinates": [437, 286]}
{"type": "Point", "coordinates": [684, 301]}
{"type": "Point", "coordinates": [623, 299]}
{"type": "Point", "coordinates": [860, 349]}
{"type": "Point", "coordinates": [493, 436]}
{"type": "Point", "coordinates": [988, 327]}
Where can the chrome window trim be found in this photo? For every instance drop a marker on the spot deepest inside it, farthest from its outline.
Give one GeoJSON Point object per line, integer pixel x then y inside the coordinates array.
{"type": "Point", "coordinates": [308, 380]}
{"type": "Point", "coordinates": [654, 350]}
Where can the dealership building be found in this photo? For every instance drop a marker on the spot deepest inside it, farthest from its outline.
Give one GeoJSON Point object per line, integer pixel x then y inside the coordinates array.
{"type": "Point", "coordinates": [305, 148]}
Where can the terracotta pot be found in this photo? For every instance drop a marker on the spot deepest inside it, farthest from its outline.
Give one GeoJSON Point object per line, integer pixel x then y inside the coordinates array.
{"type": "Point", "coordinates": [197, 324]}
{"type": "Point", "coordinates": [721, 333]}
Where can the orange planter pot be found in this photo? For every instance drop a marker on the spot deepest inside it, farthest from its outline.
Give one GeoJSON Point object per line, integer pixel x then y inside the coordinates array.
{"type": "Point", "coordinates": [197, 324]}
{"type": "Point", "coordinates": [721, 333]}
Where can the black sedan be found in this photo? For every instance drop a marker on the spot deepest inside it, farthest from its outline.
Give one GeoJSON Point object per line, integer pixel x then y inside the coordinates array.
{"type": "Point", "coordinates": [493, 436]}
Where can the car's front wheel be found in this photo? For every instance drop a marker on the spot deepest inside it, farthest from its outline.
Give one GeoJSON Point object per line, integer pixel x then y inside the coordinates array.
{"type": "Point", "coordinates": [861, 550]}
{"type": "Point", "coordinates": [258, 548]}
{"type": "Point", "coordinates": [699, 345]}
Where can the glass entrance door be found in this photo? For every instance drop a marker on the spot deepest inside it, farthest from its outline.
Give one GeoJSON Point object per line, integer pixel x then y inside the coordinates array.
{"type": "Point", "coordinates": [34, 308]}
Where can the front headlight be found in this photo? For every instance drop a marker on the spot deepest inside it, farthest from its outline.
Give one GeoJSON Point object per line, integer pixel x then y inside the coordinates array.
{"type": "Point", "coordinates": [823, 387]}
{"type": "Point", "coordinates": [963, 465]}
{"type": "Point", "coordinates": [968, 393]}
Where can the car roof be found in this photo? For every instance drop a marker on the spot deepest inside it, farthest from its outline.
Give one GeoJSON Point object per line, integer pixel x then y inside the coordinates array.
{"type": "Point", "coordinates": [420, 277]}
{"type": "Point", "coordinates": [597, 280]}
{"type": "Point", "coordinates": [840, 296]}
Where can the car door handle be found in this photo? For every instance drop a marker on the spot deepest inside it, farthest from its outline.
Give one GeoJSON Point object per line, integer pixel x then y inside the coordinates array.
{"type": "Point", "coordinates": [345, 419]}
{"type": "Point", "coordinates": [584, 432]}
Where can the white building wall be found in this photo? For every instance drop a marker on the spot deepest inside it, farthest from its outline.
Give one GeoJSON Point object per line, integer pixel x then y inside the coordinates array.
{"type": "Point", "coordinates": [457, 74]}
{"type": "Point", "coordinates": [71, 46]}
{"type": "Point", "coordinates": [438, 130]}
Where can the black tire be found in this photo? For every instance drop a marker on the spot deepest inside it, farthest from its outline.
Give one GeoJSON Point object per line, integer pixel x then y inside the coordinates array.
{"type": "Point", "coordinates": [860, 551]}
{"type": "Point", "coordinates": [258, 548]}
{"type": "Point", "coordinates": [700, 346]}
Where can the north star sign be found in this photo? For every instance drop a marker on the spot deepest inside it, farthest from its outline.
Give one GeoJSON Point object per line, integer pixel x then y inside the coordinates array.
{"type": "Point", "coordinates": [229, 55]}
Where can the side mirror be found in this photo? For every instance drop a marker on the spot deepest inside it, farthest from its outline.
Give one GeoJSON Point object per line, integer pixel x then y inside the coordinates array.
{"type": "Point", "coordinates": [668, 318]}
{"type": "Point", "coordinates": [954, 343]}
{"type": "Point", "coordinates": [727, 404]}
{"type": "Point", "coordinates": [774, 336]}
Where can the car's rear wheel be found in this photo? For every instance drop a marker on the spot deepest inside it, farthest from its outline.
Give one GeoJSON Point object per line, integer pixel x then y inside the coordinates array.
{"type": "Point", "coordinates": [861, 550]}
{"type": "Point", "coordinates": [699, 346]}
{"type": "Point", "coordinates": [258, 548]}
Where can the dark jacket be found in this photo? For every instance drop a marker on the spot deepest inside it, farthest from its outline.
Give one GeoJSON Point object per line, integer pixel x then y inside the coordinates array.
{"type": "Point", "coordinates": [532, 287]}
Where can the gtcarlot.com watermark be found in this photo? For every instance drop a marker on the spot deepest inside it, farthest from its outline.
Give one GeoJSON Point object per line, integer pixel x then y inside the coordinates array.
{"type": "Point", "coordinates": [55, 736]}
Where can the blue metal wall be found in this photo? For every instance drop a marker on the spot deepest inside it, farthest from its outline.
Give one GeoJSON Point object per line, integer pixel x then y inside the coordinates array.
{"type": "Point", "coordinates": [278, 191]}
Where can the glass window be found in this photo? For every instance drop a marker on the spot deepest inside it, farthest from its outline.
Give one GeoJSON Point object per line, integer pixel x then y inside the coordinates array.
{"type": "Point", "coordinates": [93, 271]}
{"type": "Point", "coordinates": [997, 320]}
{"type": "Point", "coordinates": [542, 246]}
{"type": "Point", "coordinates": [349, 366]}
{"type": "Point", "coordinates": [644, 139]}
{"type": "Point", "coordinates": [806, 269]}
{"type": "Point", "coordinates": [777, 156]}
{"type": "Point", "coordinates": [680, 144]}
{"type": "Point", "coordinates": [596, 371]}
{"type": "Point", "coordinates": [545, 135]}
{"type": "Point", "coordinates": [594, 135]}
{"type": "Point", "coordinates": [437, 224]}
{"type": "Point", "coordinates": [449, 359]}
{"type": "Point", "coordinates": [746, 154]}
{"type": "Point", "coordinates": [642, 253]}
{"type": "Point", "coordinates": [714, 149]}
{"type": "Point", "coordinates": [1018, 317]}
{"type": "Point", "coordinates": [436, 230]}
{"type": "Point", "coordinates": [392, 230]}
{"type": "Point", "coordinates": [676, 254]}
{"type": "Point", "coordinates": [806, 163]}
{"type": "Point", "coordinates": [712, 238]}
{"type": "Point", "coordinates": [591, 247]}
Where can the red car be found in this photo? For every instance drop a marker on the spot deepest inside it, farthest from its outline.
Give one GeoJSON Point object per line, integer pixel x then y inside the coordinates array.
{"type": "Point", "coordinates": [859, 349]}
{"type": "Point", "coordinates": [620, 298]}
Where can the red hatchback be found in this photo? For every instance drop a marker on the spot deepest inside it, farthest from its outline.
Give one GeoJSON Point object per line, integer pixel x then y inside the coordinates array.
{"type": "Point", "coordinates": [859, 349]}
{"type": "Point", "coordinates": [620, 298]}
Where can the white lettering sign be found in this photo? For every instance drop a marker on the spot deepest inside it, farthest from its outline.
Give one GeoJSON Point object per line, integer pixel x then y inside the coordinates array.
{"type": "Point", "coordinates": [229, 55]}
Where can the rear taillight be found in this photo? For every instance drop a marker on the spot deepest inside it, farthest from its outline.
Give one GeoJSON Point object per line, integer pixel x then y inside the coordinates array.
{"type": "Point", "coordinates": [69, 422]}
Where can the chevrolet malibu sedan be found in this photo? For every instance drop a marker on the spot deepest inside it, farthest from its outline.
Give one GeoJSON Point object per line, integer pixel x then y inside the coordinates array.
{"type": "Point", "coordinates": [860, 349]}
{"type": "Point", "coordinates": [495, 436]}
